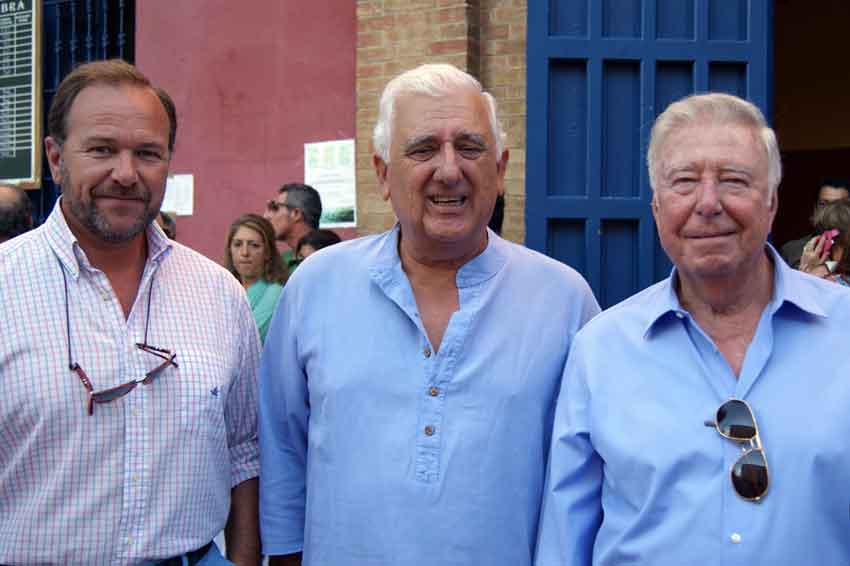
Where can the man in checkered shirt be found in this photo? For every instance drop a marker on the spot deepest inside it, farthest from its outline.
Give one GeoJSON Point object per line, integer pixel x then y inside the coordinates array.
{"type": "Point", "coordinates": [127, 361]}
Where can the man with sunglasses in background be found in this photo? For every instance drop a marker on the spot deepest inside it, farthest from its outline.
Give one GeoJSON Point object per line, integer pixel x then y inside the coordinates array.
{"type": "Point", "coordinates": [705, 419]}
{"type": "Point", "coordinates": [127, 361]}
{"type": "Point", "coordinates": [294, 213]}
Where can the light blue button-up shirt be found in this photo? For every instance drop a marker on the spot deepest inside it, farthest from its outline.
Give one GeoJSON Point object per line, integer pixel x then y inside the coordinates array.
{"type": "Point", "coordinates": [636, 477]}
{"type": "Point", "coordinates": [375, 449]}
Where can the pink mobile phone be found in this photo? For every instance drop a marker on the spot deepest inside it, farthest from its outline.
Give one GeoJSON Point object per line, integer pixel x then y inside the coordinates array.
{"type": "Point", "coordinates": [829, 239]}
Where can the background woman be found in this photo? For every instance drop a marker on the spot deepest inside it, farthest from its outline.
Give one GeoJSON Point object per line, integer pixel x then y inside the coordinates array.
{"type": "Point", "coordinates": [252, 258]}
{"type": "Point", "coordinates": [820, 258]}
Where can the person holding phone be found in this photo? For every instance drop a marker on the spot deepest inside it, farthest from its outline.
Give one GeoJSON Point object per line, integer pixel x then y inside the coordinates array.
{"type": "Point", "coordinates": [824, 255]}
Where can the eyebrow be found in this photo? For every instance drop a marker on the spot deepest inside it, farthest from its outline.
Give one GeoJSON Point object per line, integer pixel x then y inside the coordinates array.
{"type": "Point", "coordinates": [110, 140]}
{"type": "Point", "coordinates": [690, 168]}
{"type": "Point", "coordinates": [431, 138]}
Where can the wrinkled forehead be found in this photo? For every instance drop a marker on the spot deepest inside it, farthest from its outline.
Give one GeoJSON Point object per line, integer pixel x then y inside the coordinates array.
{"type": "Point", "coordinates": [458, 112]}
{"type": "Point", "coordinates": [731, 143]}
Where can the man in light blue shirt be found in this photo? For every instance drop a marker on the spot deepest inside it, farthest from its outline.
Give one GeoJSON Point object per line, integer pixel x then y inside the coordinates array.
{"type": "Point", "coordinates": [705, 420]}
{"type": "Point", "coordinates": [408, 381]}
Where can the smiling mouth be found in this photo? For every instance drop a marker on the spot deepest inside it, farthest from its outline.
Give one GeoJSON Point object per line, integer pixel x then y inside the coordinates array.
{"type": "Point", "coordinates": [120, 197]}
{"type": "Point", "coordinates": [448, 201]}
{"type": "Point", "coordinates": [709, 236]}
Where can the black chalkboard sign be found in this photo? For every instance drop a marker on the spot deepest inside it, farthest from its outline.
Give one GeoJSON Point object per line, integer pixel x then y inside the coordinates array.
{"type": "Point", "coordinates": [20, 93]}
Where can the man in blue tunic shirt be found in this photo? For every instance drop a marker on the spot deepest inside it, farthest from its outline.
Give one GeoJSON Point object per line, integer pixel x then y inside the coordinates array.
{"type": "Point", "coordinates": [409, 378]}
{"type": "Point", "coordinates": [705, 420]}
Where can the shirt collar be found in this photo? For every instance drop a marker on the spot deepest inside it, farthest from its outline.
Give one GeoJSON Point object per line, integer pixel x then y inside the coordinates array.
{"type": "Point", "coordinates": [787, 288]}
{"type": "Point", "coordinates": [477, 270]}
{"type": "Point", "coordinates": [71, 255]}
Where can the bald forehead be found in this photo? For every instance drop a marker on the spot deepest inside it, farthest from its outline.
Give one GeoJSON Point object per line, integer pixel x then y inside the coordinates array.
{"type": "Point", "coordinates": [9, 194]}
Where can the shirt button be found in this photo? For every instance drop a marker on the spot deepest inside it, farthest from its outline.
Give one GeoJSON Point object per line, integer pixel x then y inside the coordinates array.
{"type": "Point", "coordinates": [735, 538]}
{"type": "Point", "coordinates": [427, 352]}
{"type": "Point", "coordinates": [135, 412]}
{"type": "Point", "coordinates": [429, 430]}
{"type": "Point", "coordinates": [679, 315]}
{"type": "Point", "coordinates": [433, 392]}
{"type": "Point", "coordinates": [135, 478]}
{"type": "Point", "coordinates": [129, 540]}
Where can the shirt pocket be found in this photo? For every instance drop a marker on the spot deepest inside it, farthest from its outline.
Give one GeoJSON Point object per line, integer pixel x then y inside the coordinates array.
{"type": "Point", "coordinates": [201, 393]}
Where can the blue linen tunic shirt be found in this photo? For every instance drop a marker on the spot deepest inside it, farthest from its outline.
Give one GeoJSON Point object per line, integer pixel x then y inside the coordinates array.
{"type": "Point", "coordinates": [636, 477]}
{"type": "Point", "coordinates": [375, 449]}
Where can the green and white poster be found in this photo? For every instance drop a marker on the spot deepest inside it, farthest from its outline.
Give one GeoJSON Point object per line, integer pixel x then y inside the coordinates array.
{"type": "Point", "coordinates": [329, 168]}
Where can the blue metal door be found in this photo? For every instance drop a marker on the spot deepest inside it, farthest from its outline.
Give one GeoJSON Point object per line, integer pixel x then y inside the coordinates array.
{"type": "Point", "coordinates": [599, 72]}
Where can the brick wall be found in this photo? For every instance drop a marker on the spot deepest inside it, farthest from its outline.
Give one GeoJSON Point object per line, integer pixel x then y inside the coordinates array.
{"type": "Point", "coordinates": [484, 37]}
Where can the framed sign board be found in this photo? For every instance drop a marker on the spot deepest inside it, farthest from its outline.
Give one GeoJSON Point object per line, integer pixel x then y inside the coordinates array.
{"type": "Point", "coordinates": [20, 93]}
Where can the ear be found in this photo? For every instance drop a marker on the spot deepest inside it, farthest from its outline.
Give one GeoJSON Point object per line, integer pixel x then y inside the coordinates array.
{"type": "Point", "coordinates": [773, 206]}
{"type": "Point", "coordinates": [381, 173]}
{"type": "Point", "coordinates": [501, 169]}
{"type": "Point", "coordinates": [53, 150]}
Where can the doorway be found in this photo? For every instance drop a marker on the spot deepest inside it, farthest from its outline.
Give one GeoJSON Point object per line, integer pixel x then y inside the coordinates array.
{"type": "Point", "coordinates": [811, 108]}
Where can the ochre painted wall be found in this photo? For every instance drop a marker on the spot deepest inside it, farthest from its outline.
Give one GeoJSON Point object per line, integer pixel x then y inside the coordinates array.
{"type": "Point", "coordinates": [252, 81]}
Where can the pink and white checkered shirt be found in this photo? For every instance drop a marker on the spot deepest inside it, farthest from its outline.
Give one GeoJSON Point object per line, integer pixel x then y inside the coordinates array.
{"type": "Point", "coordinates": [148, 476]}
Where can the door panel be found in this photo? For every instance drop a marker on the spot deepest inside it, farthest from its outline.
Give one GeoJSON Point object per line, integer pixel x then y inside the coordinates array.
{"type": "Point", "coordinates": [599, 72]}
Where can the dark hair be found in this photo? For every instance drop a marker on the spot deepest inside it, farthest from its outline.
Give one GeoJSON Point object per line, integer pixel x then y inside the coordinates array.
{"type": "Point", "coordinates": [15, 216]}
{"type": "Point", "coordinates": [317, 239]}
{"type": "Point", "coordinates": [837, 182]}
{"type": "Point", "coordinates": [836, 215]}
{"type": "Point", "coordinates": [498, 216]}
{"type": "Point", "coordinates": [274, 271]}
{"type": "Point", "coordinates": [111, 72]}
{"type": "Point", "coordinates": [169, 225]}
{"type": "Point", "coordinates": [306, 199]}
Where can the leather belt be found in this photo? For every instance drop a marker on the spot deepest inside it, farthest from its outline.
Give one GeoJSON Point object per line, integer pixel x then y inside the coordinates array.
{"type": "Point", "coordinates": [192, 557]}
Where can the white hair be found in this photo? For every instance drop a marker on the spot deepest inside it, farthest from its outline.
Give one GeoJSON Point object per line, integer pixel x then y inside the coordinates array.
{"type": "Point", "coordinates": [719, 109]}
{"type": "Point", "coordinates": [431, 80]}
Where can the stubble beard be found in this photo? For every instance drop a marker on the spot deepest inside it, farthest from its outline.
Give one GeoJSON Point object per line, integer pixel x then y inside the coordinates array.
{"type": "Point", "coordinates": [97, 223]}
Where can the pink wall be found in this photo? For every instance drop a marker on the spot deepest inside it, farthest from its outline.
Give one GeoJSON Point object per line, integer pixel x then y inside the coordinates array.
{"type": "Point", "coordinates": [251, 87]}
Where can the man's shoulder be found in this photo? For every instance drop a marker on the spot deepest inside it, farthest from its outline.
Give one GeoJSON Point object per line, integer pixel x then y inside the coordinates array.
{"type": "Point", "coordinates": [830, 297]}
{"type": "Point", "coordinates": [544, 270]}
{"type": "Point", "coordinates": [346, 256]}
{"type": "Point", "coordinates": [631, 315]}
{"type": "Point", "coordinates": [23, 253]}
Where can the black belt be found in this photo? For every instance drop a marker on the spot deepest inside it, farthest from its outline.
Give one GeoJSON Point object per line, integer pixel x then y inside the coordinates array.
{"type": "Point", "coordinates": [192, 557]}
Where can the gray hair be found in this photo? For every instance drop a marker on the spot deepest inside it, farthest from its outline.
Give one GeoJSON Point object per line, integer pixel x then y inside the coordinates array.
{"type": "Point", "coordinates": [716, 108]}
{"type": "Point", "coordinates": [430, 80]}
{"type": "Point", "coordinates": [306, 199]}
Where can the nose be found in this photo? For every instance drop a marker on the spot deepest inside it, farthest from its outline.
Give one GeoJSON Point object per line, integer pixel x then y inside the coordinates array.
{"type": "Point", "coordinates": [124, 171]}
{"type": "Point", "coordinates": [448, 168]}
{"type": "Point", "coordinates": [708, 199]}
{"type": "Point", "coordinates": [243, 251]}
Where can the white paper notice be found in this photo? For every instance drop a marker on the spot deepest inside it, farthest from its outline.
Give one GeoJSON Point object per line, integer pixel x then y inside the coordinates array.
{"type": "Point", "coordinates": [179, 195]}
{"type": "Point", "coordinates": [329, 168]}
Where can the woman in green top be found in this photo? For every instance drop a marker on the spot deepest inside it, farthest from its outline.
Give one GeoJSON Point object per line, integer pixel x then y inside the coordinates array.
{"type": "Point", "coordinates": [252, 258]}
